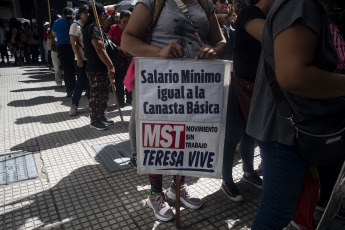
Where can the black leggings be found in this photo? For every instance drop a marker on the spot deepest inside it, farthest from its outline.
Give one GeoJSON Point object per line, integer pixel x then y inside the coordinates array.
{"type": "Point", "coordinates": [66, 56]}
{"type": "Point", "coordinates": [3, 51]}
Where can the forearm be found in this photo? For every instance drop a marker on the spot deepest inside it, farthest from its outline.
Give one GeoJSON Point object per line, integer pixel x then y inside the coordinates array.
{"type": "Point", "coordinates": [102, 54]}
{"type": "Point", "coordinates": [76, 51]}
{"type": "Point", "coordinates": [137, 47]}
{"type": "Point", "coordinates": [312, 82]}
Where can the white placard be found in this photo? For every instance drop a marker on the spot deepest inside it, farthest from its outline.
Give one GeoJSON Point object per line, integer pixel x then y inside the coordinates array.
{"type": "Point", "coordinates": [180, 115]}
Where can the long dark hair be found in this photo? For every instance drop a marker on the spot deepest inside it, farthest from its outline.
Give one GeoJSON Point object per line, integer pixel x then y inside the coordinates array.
{"type": "Point", "coordinates": [69, 15]}
{"type": "Point", "coordinates": [125, 13]}
{"type": "Point", "coordinates": [253, 2]}
{"type": "Point", "coordinates": [99, 9]}
{"type": "Point", "coordinates": [81, 9]}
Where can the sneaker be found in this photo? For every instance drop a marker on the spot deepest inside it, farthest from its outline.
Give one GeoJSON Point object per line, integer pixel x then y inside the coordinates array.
{"type": "Point", "coordinates": [231, 191]}
{"type": "Point", "coordinates": [106, 120]}
{"type": "Point", "coordinates": [133, 160]}
{"type": "Point", "coordinates": [160, 208]}
{"type": "Point", "coordinates": [296, 225]}
{"type": "Point", "coordinates": [186, 197]}
{"type": "Point", "coordinates": [254, 179]}
{"type": "Point", "coordinates": [129, 102]}
{"type": "Point", "coordinates": [340, 214]}
{"type": "Point", "coordinates": [122, 105]}
{"type": "Point", "coordinates": [259, 169]}
{"type": "Point", "coordinates": [73, 110]}
{"type": "Point", "coordinates": [98, 125]}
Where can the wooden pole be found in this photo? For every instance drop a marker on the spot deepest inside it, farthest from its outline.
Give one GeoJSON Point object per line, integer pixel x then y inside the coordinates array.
{"type": "Point", "coordinates": [177, 205]}
{"type": "Point", "coordinates": [50, 17]}
{"type": "Point", "coordinates": [111, 81]}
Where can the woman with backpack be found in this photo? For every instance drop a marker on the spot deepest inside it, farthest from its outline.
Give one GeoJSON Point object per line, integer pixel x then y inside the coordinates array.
{"type": "Point", "coordinates": [173, 36]}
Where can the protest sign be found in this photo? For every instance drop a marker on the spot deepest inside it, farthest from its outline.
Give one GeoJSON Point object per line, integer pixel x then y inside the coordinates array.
{"type": "Point", "coordinates": [180, 115]}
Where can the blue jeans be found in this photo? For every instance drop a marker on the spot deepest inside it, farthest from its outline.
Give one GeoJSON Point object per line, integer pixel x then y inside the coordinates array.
{"type": "Point", "coordinates": [82, 83]}
{"type": "Point", "coordinates": [235, 132]}
{"type": "Point", "coordinates": [283, 173]}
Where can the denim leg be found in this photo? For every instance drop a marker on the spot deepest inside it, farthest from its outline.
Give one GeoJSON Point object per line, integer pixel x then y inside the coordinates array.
{"type": "Point", "coordinates": [81, 81]}
{"type": "Point", "coordinates": [233, 132]}
{"type": "Point", "coordinates": [247, 145]}
{"type": "Point", "coordinates": [283, 173]}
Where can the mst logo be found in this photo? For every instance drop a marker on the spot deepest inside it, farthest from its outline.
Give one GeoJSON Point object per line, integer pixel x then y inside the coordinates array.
{"type": "Point", "coordinates": [163, 135]}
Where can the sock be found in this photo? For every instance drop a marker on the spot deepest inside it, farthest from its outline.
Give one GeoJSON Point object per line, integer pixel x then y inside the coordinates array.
{"type": "Point", "coordinates": [182, 185]}
{"type": "Point", "coordinates": [155, 193]}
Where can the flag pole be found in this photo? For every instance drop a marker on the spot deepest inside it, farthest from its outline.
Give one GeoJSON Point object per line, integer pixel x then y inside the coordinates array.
{"type": "Point", "coordinates": [50, 17]}
{"type": "Point", "coordinates": [111, 81]}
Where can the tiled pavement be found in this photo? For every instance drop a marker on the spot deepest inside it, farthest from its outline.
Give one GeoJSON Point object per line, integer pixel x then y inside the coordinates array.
{"type": "Point", "coordinates": [75, 190]}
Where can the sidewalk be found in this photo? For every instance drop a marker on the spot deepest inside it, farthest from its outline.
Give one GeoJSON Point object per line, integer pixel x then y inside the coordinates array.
{"type": "Point", "coordinates": [74, 189]}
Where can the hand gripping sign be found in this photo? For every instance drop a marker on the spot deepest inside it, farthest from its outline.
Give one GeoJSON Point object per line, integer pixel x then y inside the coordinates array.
{"type": "Point", "coordinates": [181, 115]}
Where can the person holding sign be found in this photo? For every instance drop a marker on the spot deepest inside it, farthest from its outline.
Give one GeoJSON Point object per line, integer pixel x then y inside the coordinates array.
{"type": "Point", "coordinates": [302, 61]}
{"type": "Point", "coordinates": [174, 36]}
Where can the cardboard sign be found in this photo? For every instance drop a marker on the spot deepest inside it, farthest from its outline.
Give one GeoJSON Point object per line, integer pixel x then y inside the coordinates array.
{"type": "Point", "coordinates": [180, 115]}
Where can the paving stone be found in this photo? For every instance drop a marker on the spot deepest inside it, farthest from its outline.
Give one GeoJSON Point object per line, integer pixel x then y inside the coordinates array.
{"type": "Point", "coordinates": [75, 189]}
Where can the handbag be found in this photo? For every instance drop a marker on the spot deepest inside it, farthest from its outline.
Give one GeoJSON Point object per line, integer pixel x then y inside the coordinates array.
{"type": "Point", "coordinates": [314, 146]}
{"type": "Point", "coordinates": [113, 53]}
{"type": "Point", "coordinates": [244, 92]}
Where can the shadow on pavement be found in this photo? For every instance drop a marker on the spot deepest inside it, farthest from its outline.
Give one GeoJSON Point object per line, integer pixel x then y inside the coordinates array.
{"type": "Point", "coordinates": [56, 88]}
{"type": "Point", "coordinates": [35, 101]}
{"type": "Point", "coordinates": [66, 137]}
{"type": "Point", "coordinates": [42, 77]}
{"type": "Point", "coordinates": [64, 116]}
{"type": "Point", "coordinates": [91, 197]}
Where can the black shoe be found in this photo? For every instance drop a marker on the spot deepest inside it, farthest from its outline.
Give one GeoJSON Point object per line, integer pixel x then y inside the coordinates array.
{"type": "Point", "coordinates": [129, 102]}
{"type": "Point", "coordinates": [106, 120]}
{"type": "Point", "coordinates": [254, 179]}
{"type": "Point", "coordinates": [98, 125]}
{"type": "Point", "coordinates": [133, 161]}
{"type": "Point", "coordinates": [231, 191]}
{"type": "Point", "coordinates": [122, 105]}
{"type": "Point", "coordinates": [69, 94]}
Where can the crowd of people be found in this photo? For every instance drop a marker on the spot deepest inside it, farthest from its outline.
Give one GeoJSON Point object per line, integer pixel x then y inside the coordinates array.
{"type": "Point", "coordinates": [285, 36]}
{"type": "Point", "coordinates": [22, 38]}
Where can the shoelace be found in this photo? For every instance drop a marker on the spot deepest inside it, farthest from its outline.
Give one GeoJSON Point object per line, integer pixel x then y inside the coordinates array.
{"type": "Point", "coordinates": [185, 191]}
{"type": "Point", "coordinates": [161, 202]}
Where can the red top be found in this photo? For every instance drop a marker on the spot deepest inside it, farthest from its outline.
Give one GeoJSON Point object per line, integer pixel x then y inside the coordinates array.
{"type": "Point", "coordinates": [45, 34]}
{"type": "Point", "coordinates": [116, 32]}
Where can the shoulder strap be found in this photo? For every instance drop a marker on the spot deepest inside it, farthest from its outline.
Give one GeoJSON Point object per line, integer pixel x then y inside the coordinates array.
{"type": "Point", "coordinates": [79, 24]}
{"type": "Point", "coordinates": [159, 4]}
{"type": "Point", "coordinates": [157, 9]}
{"type": "Point", "coordinates": [278, 95]}
{"type": "Point", "coordinates": [205, 6]}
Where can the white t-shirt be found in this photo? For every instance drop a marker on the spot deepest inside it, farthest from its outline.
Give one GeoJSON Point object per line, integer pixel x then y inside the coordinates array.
{"type": "Point", "coordinates": [76, 30]}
